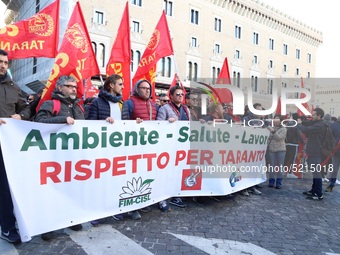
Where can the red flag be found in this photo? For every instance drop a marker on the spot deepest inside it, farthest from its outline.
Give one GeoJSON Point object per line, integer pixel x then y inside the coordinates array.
{"type": "Point", "coordinates": [159, 46]}
{"type": "Point", "coordinates": [174, 82]}
{"type": "Point", "coordinates": [76, 56]}
{"type": "Point", "coordinates": [119, 62]}
{"type": "Point", "coordinates": [278, 107]}
{"type": "Point", "coordinates": [302, 95]}
{"type": "Point", "coordinates": [224, 78]}
{"type": "Point", "coordinates": [37, 36]}
{"type": "Point", "coordinates": [90, 90]}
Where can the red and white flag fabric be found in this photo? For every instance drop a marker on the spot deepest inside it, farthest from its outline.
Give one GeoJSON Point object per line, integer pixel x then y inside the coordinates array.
{"type": "Point", "coordinates": [76, 56]}
{"type": "Point", "coordinates": [90, 89]}
{"type": "Point", "coordinates": [302, 95]}
{"type": "Point", "coordinates": [159, 46]}
{"type": "Point", "coordinates": [120, 59]}
{"type": "Point", "coordinates": [37, 36]}
{"type": "Point", "coordinates": [224, 78]}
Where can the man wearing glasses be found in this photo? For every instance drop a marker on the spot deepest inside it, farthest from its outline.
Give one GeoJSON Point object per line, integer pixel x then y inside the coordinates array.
{"type": "Point", "coordinates": [140, 107]}
{"type": "Point", "coordinates": [173, 111]}
{"type": "Point", "coordinates": [164, 99]}
{"type": "Point", "coordinates": [68, 111]}
{"type": "Point", "coordinates": [66, 93]}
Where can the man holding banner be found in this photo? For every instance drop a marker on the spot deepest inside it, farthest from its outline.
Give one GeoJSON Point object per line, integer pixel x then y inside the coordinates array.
{"type": "Point", "coordinates": [12, 105]}
{"type": "Point", "coordinates": [173, 111]}
{"type": "Point", "coordinates": [63, 108]}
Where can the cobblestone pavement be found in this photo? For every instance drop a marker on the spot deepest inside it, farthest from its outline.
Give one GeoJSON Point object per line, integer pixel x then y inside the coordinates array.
{"type": "Point", "coordinates": [276, 222]}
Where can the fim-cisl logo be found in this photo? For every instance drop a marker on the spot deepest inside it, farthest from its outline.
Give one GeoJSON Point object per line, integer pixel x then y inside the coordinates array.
{"type": "Point", "coordinates": [135, 192]}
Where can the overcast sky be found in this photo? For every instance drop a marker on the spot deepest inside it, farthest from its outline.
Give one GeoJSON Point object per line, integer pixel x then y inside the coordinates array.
{"type": "Point", "coordinates": [322, 15]}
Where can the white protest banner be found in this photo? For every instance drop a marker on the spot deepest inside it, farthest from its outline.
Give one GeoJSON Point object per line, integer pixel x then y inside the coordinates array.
{"type": "Point", "coordinates": [62, 175]}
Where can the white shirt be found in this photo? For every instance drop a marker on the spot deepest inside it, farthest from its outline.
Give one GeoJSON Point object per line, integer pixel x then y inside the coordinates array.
{"type": "Point", "coordinates": [115, 111]}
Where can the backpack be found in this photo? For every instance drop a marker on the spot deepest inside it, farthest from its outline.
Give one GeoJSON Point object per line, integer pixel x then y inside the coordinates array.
{"type": "Point", "coordinates": [56, 107]}
{"type": "Point", "coordinates": [328, 145]}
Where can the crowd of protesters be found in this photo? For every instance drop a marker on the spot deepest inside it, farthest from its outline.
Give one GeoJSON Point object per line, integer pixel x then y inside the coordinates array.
{"type": "Point", "coordinates": [65, 107]}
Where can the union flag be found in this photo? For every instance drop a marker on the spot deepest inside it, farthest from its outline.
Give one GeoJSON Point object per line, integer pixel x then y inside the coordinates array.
{"type": "Point", "coordinates": [120, 59]}
{"type": "Point", "coordinates": [159, 46]}
{"type": "Point", "coordinates": [76, 56]}
{"type": "Point", "coordinates": [37, 36]}
{"type": "Point", "coordinates": [224, 78]}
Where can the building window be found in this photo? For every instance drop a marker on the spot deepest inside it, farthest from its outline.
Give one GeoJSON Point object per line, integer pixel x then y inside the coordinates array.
{"type": "Point", "coordinates": [215, 74]}
{"type": "Point", "coordinates": [255, 38]}
{"type": "Point", "coordinates": [194, 16]}
{"type": "Point", "coordinates": [285, 49]}
{"type": "Point", "coordinates": [98, 17]}
{"type": "Point", "coordinates": [297, 72]}
{"type": "Point", "coordinates": [195, 71]}
{"type": "Point", "coordinates": [271, 43]}
{"type": "Point", "coordinates": [135, 55]}
{"type": "Point", "coordinates": [94, 45]}
{"type": "Point", "coordinates": [135, 26]}
{"type": "Point", "coordinates": [271, 64]}
{"type": "Point", "coordinates": [270, 86]}
{"type": "Point", "coordinates": [137, 2]}
{"type": "Point", "coordinates": [166, 67]}
{"type": "Point", "coordinates": [297, 53]}
{"type": "Point", "coordinates": [254, 83]}
{"type": "Point", "coordinates": [168, 7]}
{"type": "Point", "coordinates": [284, 68]}
{"type": "Point", "coordinates": [218, 25]}
{"type": "Point", "coordinates": [37, 6]}
{"type": "Point", "coordinates": [238, 31]}
{"type": "Point", "coordinates": [217, 48]}
{"type": "Point", "coordinates": [35, 61]}
{"type": "Point", "coordinates": [255, 59]}
{"type": "Point", "coordinates": [101, 59]}
{"type": "Point", "coordinates": [309, 57]}
{"type": "Point", "coordinates": [190, 71]}
{"type": "Point", "coordinates": [237, 54]}
{"type": "Point", "coordinates": [237, 79]}
{"type": "Point", "coordinates": [194, 43]}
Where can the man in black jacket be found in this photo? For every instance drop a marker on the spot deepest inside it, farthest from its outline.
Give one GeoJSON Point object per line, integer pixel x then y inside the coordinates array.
{"type": "Point", "coordinates": [315, 131]}
{"type": "Point", "coordinates": [63, 108]}
{"type": "Point", "coordinates": [12, 105]}
{"type": "Point", "coordinates": [67, 109]}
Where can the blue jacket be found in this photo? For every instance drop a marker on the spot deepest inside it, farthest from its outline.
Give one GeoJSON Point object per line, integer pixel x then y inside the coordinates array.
{"type": "Point", "coordinates": [100, 107]}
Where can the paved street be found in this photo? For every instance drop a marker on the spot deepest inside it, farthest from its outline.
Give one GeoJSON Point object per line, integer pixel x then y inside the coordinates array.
{"type": "Point", "coordinates": [276, 222]}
